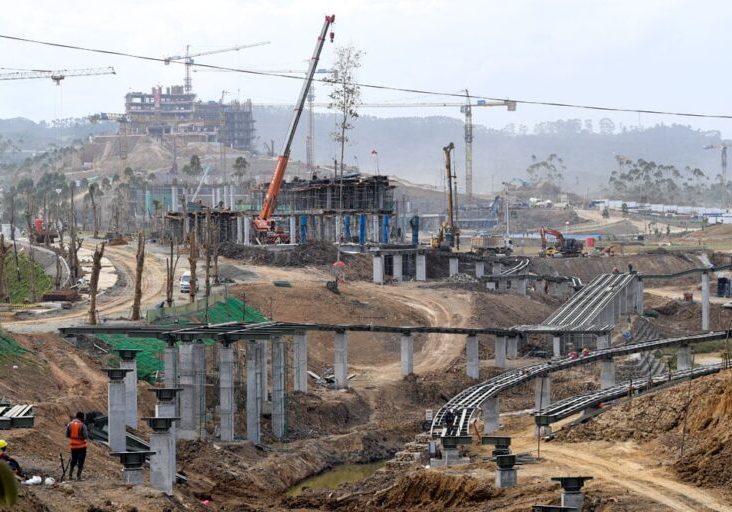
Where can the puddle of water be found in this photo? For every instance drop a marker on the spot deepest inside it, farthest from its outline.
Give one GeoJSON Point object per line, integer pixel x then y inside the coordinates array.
{"type": "Point", "coordinates": [332, 478]}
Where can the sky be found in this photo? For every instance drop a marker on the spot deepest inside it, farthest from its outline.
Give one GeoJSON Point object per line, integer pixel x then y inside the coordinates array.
{"type": "Point", "coordinates": [648, 54]}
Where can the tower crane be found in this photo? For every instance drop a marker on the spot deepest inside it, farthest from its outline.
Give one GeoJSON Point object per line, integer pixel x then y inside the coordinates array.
{"type": "Point", "coordinates": [188, 59]}
{"type": "Point", "coordinates": [262, 223]}
{"type": "Point", "coordinates": [466, 108]}
{"type": "Point", "coordinates": [55, 75]}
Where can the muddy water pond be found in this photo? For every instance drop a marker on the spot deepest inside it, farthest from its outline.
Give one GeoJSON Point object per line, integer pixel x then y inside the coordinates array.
{"type": "Point", "coordinates": [332, 478]}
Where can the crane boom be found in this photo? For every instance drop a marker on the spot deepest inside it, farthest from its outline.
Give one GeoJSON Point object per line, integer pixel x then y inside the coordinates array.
{"type": "Point", "coordinates": [261, 223]}
{"type": "Point", "coordinates": [57, 75]}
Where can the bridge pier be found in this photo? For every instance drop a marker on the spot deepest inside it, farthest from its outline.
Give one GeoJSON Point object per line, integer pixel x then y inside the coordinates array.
{"type": "Point", "coordinates": [602, 341]}
{"type": "Point", "coordinates": [542, 398]}
{"type": "Point", "coordinates": [500, 351]}
{"type": "Point", "coordinates": [227, 404]}
{"type": "Point", "coordinates": [607, 373]}
{"type": "Point", "coordinates": [491, 415]}
{"type": "Point", "coordinates": [300, 366]}
{"type": "Point", "coordinates": [397, 266]}
{"type": "Point", "coordinates": [479, 269]}
{"type": "Point", "coordinates": [454, 266]}
{"type": "Point", "coordinates": [684, 358]}
{"type": "Point", "coordinates": [512, 347]}
{"type": "Point", "coordinates": [639, 297]}
{"type": "Point", "coordinates": [187, 429]}
{"type": "Point", "coordinates": [521, 286]}
{"type": "Point", "coordinates": [254, 395]}
{"type": "Point", "coordinates": [378, 268]}
{"type": "Point", "coordinates": [421, 264]}
{"type": "Point", "coordinates": [496, 268]}
{"type": "Point", "coordinates": [278, 388]}
{"type": "Point", "coordinates": [407, 358]}
{"type": "Point", "coordinates": [705, 301]}
{"type": "Point", "coordinates": [472, 366]}
{"type": "Point", "coordinates": [556, 346]}
{"type": "Point", "coordinates": [340, 363]}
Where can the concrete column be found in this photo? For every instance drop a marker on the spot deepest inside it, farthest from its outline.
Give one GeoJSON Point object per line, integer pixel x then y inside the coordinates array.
{"type": "Point", "coordinates": [300, 366]}
{"type": "Point", "coordinates": [226, 392]}
{"type": "Point", "coordinates": [542, 392]}
{"type": "Point", "coordinates": [491, 415]}
{"type": "Point", "coordinates": [705, 301]}
{"type": "Point", "coordinates": [639, 297]}
{"type": "Point", "coordinates": [174, 198]}
{"type": "Point", "coordinates": [479, 269]}
{"type": "Point", "coordinates": [254, 404]}
{"type": "Point", "coordinates": [199, 386]}
{"type": "Point", "coordinates": [167, 409]}
{"type": "Point", "coordinates": [603, 342]}
{"type": "Point", "coordinates": [161, 474]}
{"type": "Point", "coordinates": [278, 388]}
{"type": "Point", "coordinates": [472, 365]}
{"type": "Point", "coordinates": [116, 413]}
{"type": "Point", "coordinates": [375, 229]}
{"type": "Point", "coordinates": [247, 221]}
{"type": "Point", "coordinates": [512, 347]}
{"type": "Point", "coordinates": [573, 500]}
{"type": "Point", "coordinates": [170, 366]}
{"type": "Point", "coordinates": [378, 264]}
{"type": "Point", "coordinates": [187, 429]}
{"type": "Point", "coordinates": [506, 478]}
{"type": "Point", "coordinates": [500, 351]}
{"type": "Point", "coordinates": [293, 229]}
{"type": "Point", "coordinates": [340, 363]}
{"type": "Point", "coordinates": [520, 286]}
{"type": "Point", "coordinates": [407, 354]}
{"type": "Point", "coordinates": [607, 373]}
{"type": "Point", "coordinates": [683, 357]}
{"type": "Point", "coordinates": [557, 346]}
{"type": "Point", "coordinates": [130, 390]}
{"type": "Point", "coordinates": [133, 476]}
{"type": "Point", "coordinates": [398, 267]}
{"type": "Point", "coordinates": [454, 266]}
{"type": "Point", "coordinates": [491, 285]}
{"type": "Point", "coordinates": [421, 267]}
{"type": "Point", "coordinates": [496, 268]}
{"type": "Point", "coordinates": [263, 371]}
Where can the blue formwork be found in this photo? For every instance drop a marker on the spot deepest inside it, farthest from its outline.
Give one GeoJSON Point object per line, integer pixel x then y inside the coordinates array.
{"type": "Point", "coordinates": [362, 229]}
{"type": "Point", "coordinates": [303, 228]}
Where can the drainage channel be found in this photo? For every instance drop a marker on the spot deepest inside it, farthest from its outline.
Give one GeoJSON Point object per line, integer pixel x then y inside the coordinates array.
{"type": "Point", "coordinates": [332, 478]}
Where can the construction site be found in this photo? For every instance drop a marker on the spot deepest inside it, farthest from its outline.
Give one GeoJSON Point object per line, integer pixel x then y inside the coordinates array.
{"type": "Point", "coordinates": [296, 336]}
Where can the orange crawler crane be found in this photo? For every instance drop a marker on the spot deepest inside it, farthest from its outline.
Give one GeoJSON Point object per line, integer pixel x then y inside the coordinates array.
{"type": "Point", "coordinates": [264, 225]}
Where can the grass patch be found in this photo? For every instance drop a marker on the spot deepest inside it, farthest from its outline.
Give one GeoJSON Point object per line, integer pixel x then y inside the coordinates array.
{"type": "Point", "coordinates": [9, 349]}
{"type": "Point", "coordinates": [20, 289]}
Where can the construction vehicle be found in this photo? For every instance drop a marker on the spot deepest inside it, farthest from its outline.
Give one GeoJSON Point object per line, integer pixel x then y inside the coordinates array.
{"type": "Point", "coordinates": [264, 225]}
{"type": "Point", "coordinates": [612, 250]}
{"type": "Point", "coordinates": [565, 247]}
{"type": "Point", "coordinates": [491, 244]}
{"type": "Point", "coordinates": [449, 234]}
{"type": "Point", "coordinates": [41, 233]}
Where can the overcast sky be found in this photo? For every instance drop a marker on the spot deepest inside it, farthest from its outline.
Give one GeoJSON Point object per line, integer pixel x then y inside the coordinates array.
{"type": "Point", "coordinates": [652, 54]}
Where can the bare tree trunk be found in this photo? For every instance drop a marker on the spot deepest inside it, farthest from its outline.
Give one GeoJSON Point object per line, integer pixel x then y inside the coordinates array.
{"type": "Point", "coordinates": [94, 284]}
{"type": "Point", "coordinates": [208, 253]}
{"type": "Point", "coordinates": [4, 250]}
{"type": "Point", "coordinates": [32, 273]}
{"type": "Point", "coordinates": [73, 245]}
{"type": "Point", "coordinates": [216, 239]}
{"type": "Point", "coordinates": [57, 281]}
{"type": "Point", "coordinates": [94, 212]}
{"type": "Point", "coordinates": [192, 259]}
{"type": "Point", "coordinates": [138, 276]}
{"type": "Point", "coordinates": [170, 265]}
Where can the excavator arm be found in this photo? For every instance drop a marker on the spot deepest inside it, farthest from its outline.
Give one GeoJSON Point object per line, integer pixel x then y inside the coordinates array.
{"type": "Point", "coordinates": [543, 231]}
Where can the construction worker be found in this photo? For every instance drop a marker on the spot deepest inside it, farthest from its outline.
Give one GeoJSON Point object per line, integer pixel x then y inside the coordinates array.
{"type": "Point", "coordinates": [449, 418]}
{"type": "Point", "coordinates": [77, 433]}
{"type": "Point", "coordinates": [11, 462]}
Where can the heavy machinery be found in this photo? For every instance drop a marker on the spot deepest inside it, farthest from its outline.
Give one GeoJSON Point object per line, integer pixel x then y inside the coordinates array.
{"type": "Point", "coordinates": [265, 226]}
{"type": "Point", "coordinates": [612, 250]}
{"type": "Point", "coordinates": [491, 244]}
{"type": "Point", "coordinates": [565, 247]}
{"type": "Point", "coordinates": [449, 234]}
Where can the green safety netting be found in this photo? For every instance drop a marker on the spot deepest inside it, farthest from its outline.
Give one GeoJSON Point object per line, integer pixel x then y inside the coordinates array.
{"type": "Point", "coordinates": [9, 347]}
{"type": "Point", "coordinates": [148, 359]}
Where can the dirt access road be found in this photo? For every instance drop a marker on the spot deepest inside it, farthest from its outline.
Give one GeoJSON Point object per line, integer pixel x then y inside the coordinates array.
{"type": "Point", "coordinates": [621, 463]}
{"type": "Point", "coordinates": [598, 221]}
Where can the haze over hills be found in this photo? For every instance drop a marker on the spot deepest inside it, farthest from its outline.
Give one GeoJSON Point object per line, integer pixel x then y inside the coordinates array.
{"type": "Point", "coordinates": [411, 147]}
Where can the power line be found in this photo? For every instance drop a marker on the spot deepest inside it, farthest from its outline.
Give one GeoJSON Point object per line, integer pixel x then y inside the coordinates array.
{"type": "Point", "coordinates": [373, 86]}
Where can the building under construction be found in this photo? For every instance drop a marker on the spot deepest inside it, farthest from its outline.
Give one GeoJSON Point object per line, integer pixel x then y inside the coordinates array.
{"type": "Point", "coordinates": [173, 110]}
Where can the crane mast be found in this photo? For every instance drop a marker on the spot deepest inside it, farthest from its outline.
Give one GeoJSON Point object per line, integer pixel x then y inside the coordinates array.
{"type": "Point", "coordinates": [262, 222]}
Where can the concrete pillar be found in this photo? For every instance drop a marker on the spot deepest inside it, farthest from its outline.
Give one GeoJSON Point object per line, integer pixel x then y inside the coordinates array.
{"type": "Point", "coordinates": [263, 374]}
{"type": "Point", "coordinates": [491, 285]}
{"type": "Point", "coordinates": [421, 267]}
{"type": "Point", "coordinates": [174, 198]}
{"type": "Point", "coordinates": [479, 269]}
{"type": "Point", "coordinates": [557, 346]}
{"type": "Point", "coordinates": [199, 376]}
{"type": "Point", "coordinates": [542, 392]}
{"type": "Point", "coordinates": [454, 266]}
{"type": "Point", "coordinates": [117, 411]}
{"type": "Point", "coordinates": [705, 301]}
{"type": "Point", "coordinates": [607, 373]}
{"type": "Point", "coordinates": [133, 476]}
{"type": "Point", "coordinates": [573, 500]}
{"type": "Point", "coordinates": [491, 415]}
{"type": "Point", "coordinates": [340, 363]}
{"type": "Point", "coordinates": [187, 429]}
{"type": "Point", "coordinates": [407, 354]}
{"type": "Point", "coordinates": [161, 474]}
{"type": "Point", "coordinates": [506, 478]}
{"type": "Point", "coordinates": [512, 347]}
{"type": "Point", "coordinates": [639, 297]}
{"type": "Point", "coordinates": [166, 408]}
{"type": "Point", "coordinates": [472, 365]}
{"type": "Point", "coordinates": [500, 351]}
{"type": "Point", "coordinates": [227, 406]}
{"type": "Point", "coordinates": [247, 221]}
{"type": "Point", "coordinates": [278, 388]}
{"type": "Point", "coordinates": [520, 286]}
{"type": "Point", "coordinates": [170, 366]}
{"type": "Point", "coordinates": [378, 264]}
{"type": "Point", "coordinates": [397, 265]}
{"type": "Point", "coordinates": [603, 342]}
{"type": "Point", "coordinates": [293, 229]}
{"type": "Point", "coordinates": [254, 403]}
{"type": "Point", "coordinates": [130, 389]}
{"type": "Point", "coordinates": [300, 365]}
{"type": "Point", "coordinates": [683, 357]}
{"type": "Point", "coordinates": [232, 198]}
{"type": "Point", "coordinates": [375, 229]}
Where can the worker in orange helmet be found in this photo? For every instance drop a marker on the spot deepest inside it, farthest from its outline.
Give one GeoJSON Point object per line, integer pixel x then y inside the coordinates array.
{"type": "Point", "coordinates": [77, 433]}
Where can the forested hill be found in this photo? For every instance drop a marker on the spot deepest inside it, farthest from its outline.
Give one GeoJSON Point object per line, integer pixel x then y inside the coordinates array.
{"type": "Point", "coordinates": [411, 147]}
